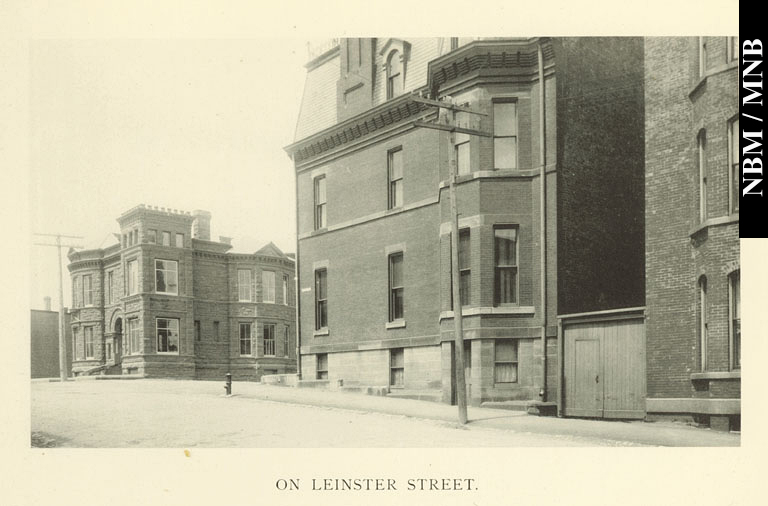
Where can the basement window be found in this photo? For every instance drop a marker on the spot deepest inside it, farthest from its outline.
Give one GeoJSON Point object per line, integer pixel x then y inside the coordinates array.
{"type": "Point", "coordinates": [505, 361]}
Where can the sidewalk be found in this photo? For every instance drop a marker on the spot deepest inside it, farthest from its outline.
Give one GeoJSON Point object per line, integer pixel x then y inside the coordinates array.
{"type": "Point", "coordinates": [639, 432]}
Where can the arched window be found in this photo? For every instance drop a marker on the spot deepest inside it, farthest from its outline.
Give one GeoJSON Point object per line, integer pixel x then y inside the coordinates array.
{"type": "Point", "coordinates": [703, 321]}
{"type": "Point", "coordinates": [701, 162]}
{"type": "Point", "coordinates": [394, 75]}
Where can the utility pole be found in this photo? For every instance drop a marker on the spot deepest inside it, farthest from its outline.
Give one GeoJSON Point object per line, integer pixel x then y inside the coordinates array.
{"type": "Point", "coordinates": [451, 127]}
{"type": "Point", "coordinates": [461, 385]}
{"type": "Point", "coordinates": [63, 373]}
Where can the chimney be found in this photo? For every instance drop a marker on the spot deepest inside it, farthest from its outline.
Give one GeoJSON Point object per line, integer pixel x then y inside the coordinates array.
{"type": "Point", "coordinates": [47, 302]}
{"type": "Point", "coordinates": [225, 239]}
{"type": "Point", "coordinates": [201, 226]}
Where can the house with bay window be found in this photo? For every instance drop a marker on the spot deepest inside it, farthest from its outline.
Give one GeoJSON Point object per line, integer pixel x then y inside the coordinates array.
{"type": "Point", "coordinates": [167, 301]}
{"type": "Point", "coordinates": [549, 163]}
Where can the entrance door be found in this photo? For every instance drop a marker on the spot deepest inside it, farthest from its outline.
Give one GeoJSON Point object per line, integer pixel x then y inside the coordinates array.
{"type": "Point", "coordinates": [118, 341]}
{"type": "Point", "coordinates": [587, 391]}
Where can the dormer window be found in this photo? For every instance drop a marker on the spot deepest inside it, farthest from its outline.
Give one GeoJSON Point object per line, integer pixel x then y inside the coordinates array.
{"type": "Point", "coordinates": [394, 55]}
{"type": "Point", "coordinates": [394, 74]}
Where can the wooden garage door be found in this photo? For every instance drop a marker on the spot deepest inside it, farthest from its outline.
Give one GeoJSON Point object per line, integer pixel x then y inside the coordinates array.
{"type": "Point", "coordinates": [605, 369]}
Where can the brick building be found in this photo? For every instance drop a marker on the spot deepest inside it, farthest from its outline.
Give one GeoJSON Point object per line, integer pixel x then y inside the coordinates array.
{"type": "Point", "coordinates": [373, 213]}
{"type": "Point", "coordinates": [167, 301]}
{"type": "Point", "coordinates": [692, 229]}
{"type": "Point", "coordinates": [44, 342]}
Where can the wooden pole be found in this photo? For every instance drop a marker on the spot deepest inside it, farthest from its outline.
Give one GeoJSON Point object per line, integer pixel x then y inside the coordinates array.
{"type": "Point", "coordinates": [461, 389]}
{"type": "Point", "coordinates": [63, 373]}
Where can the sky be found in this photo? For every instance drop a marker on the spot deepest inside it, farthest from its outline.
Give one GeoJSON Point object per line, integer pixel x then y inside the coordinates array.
{"type": "Point", "coordinates": [181, 124]}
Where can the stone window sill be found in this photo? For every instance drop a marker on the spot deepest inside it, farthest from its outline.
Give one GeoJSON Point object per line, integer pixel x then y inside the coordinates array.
{"type": "Point", "coordinates": [712, 222]}
{"type": "Point", "coordinates": [397, 324]}
{"type": "Point", "coordinates": [321, 332]}
{"type": "Point", "coordinates": [716, 375]}
{"type": "Point", "coordinates": [500, 310]}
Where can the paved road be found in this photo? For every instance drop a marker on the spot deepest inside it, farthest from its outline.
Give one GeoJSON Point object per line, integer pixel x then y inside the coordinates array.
{"type": "Point", "coordinates": [184, 414]}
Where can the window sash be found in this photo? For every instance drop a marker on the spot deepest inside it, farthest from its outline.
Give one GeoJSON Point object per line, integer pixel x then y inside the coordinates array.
{"type": "Point", "coordinates": [216, 329]}
{"type": "Point", "coordinates": [286, 342]}
{"type": "Point", "coordinates": [167, 335]}
{"type": "Point", "coordinates": [88, 338]}
{"type": "Point", "coordinates": [396, 288]}
{"type": "Point", "coordinates": [462, 158]}
{"type": "Point", "coordinates": [285, 290]}
{"type": "Point", "coordinates": [198, 334]}
{"type": "Point", "coordinates": [244, 285]}
{"type": "Point", "coordinates": [320, 202]}
{"type": "Point", "coordinates": [701, 161]}
{"type": "Point", "coordinates": [179, 240]}
{"type": "Point", "coordinates": [733, 164]}
{"type": "Point", "coordinates": [133, 277]}
{"type": "Point", "coordinates": [268, 286]}
{"type": "Point", "coordinates": [269, 340]}
{"type": "Point", "coordinates": [152, 236]}
{"type": "Point", "coordinates": [505, 361]}
{"type": "Point", "coordinates": [245, 339]}
{"type": "Point", "coordinates": [321, 299]}
{"type": "Point", "coordinates": [505, 275]}
{"type": "Point", "coordinates": [395, 170]}
{"type": "Point", "coordinates": [166, 276]}
{"type": "Point", "coordinates": [87, 290]}
{"type": "Point", "coordinates": [394, 75]}
{"type": "Point", "coordinates": [133, 336]}
{"type": "Point", "coordinates": [735, 314]}
{"type": "Point", "coordinates": [321, 367]}
{"type": "Point", "coordinates": [703, 322]}
{"type": "Point", "coordinates": [505, 135]}
{"type": "Point", "coordinates": [166, 238]}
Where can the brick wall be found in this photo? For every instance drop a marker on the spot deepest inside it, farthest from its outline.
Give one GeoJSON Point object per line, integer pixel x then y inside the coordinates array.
{"type": "Point", "coordinates": [678, 105]}
{"type": "Point", "coordinates": [600, 173]}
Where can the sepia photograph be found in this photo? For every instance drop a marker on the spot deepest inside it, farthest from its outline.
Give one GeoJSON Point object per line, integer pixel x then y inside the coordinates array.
{"type": "Point", "coordinates": [547, 184]}
{"type": "Point", "coordinates": [355, 262]}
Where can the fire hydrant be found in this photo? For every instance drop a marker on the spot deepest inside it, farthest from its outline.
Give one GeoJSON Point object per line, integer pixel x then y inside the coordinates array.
{"type": "Point", "coordinates": [228, 384]}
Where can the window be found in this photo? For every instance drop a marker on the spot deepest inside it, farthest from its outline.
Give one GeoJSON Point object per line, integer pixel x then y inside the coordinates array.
{"type": "Point", "coordinates": [108, 352]}
{"type": "Point", "coordinates": [244, 285]}
{"type": "Point", "coordinates": [269, 340]}
{"type": "Point", "coordinates": [286, 342]}
{"type": "Point", "coordinates": [733, 164]}
{"type": "Point", "coordinates": [320, 213]}
{"type": "Point", "coordinates": [88, 331]}
{"type": "Point", "coordinates": [76, 302]}
{"type": "Point", "coordinates": [166, 238]}
{"type": "Point", "coordinates": [110, 287]}
{"type": "Point", "coordinates": [133, 336]}
{"type": "Point", "coordinates": [505, 245]}
{"type": "Point", "coordinates": [322, 366]}
{"type": "Point", "coordinates": [87, 290]}
{"type": "Point", "coordinates": [505, 135]}
{"type": "Point", "coordinates": [703, 322]}
{"type": "Point", "coordinates": [701, 162]}
{"type": "Point", "coordinates": [396, 367]}
{"type": "Point", "coordinates": [81, 354]}
{"type": "Point", "coordinates": [396, 290]}
{"type": "Point", "coordinates": [179, 240]}
{"type": "Point", "coordinates": [166, 276]}
{"type": "Point", "coordinates": [285, 289]}
{"type": "Point", "coordinates": [197, 330]}
{"type": "Point", "coordinates": [394, 75]}
{"type": "Point", "coordinates": [395, 168]}
{"type": "Point", "coordinates": [245, 339]}
{"type": "Point", "coordinates": [135, 236]}
{"type": "Point", "coordinates": [464, 267]}
{"type": "Point", "coordinates": [216, 331]}
{"type": "Point", "coordinates": [702, 56]}
{"type": "Point", "coordinates": [133, 277]}
{"type": "Point", "coordinates": [167, 335]}
{"type": "Point", "coordinates": [321, 299]}
{"type": "Point", "coordinates": [268, 286]}
{"type": "Point", "coordinates": [505, 361]}
{"type": "Point", "coordinates": [462, 154]}
{"type": "Point", "coordinates": [152, 236]}
{"type": "Point", "coordinates": [732, 49]}
{"type": "Point", "coordinates": [734, 283]}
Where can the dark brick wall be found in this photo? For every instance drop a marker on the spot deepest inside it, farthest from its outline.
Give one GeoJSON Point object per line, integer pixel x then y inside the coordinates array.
{"type": "Point", "coordinates": [678, 105]}
{"type": "Point", "coordinates": [44, 341]}
{"type": "Point", "coordinates": [600, 156]}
